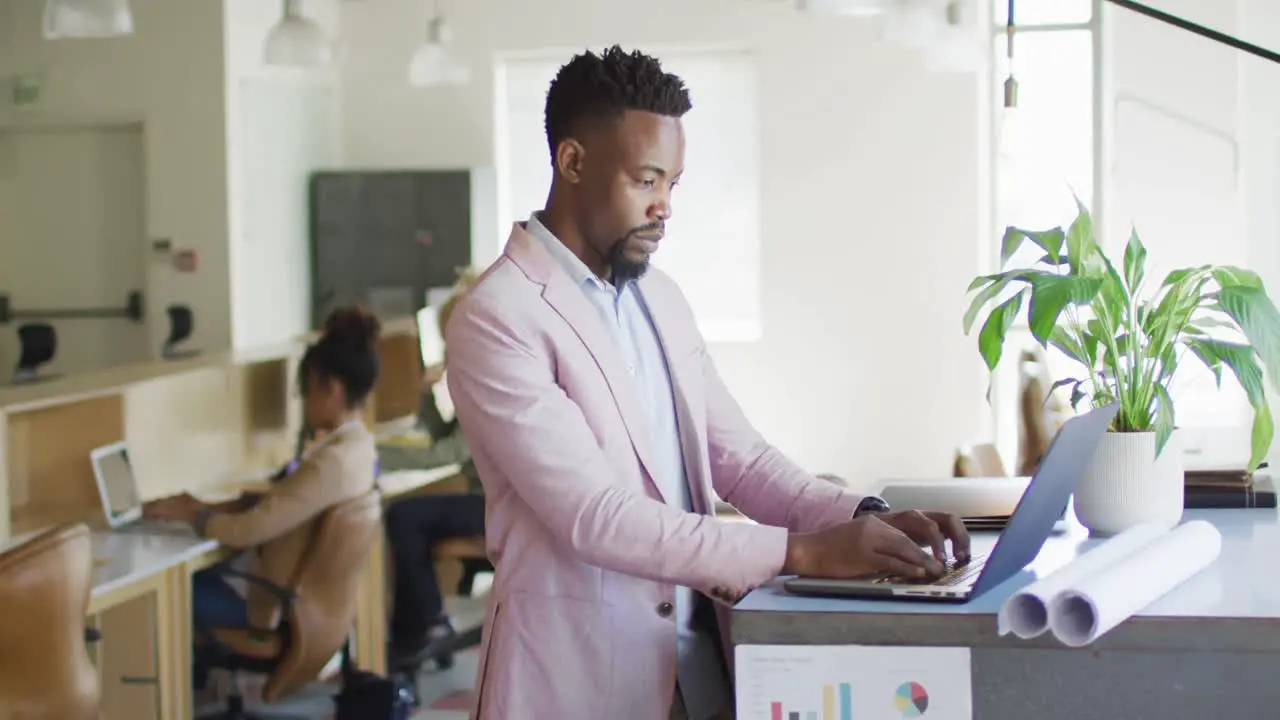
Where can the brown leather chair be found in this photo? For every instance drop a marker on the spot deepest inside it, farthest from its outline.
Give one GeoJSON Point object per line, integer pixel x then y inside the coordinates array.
{"type": "Point", "coordinates": [1039, 412]}
{"type": "Point", "coordinates": [45, 669]}
{"type": "Point", "coordinates": [319, 607]}
{"type": "Point", "coordinates": [978, 461]}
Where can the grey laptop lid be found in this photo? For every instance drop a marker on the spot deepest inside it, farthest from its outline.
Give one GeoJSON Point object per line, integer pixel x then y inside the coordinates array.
{"type": "Point", "coordinates": [1046, 497]}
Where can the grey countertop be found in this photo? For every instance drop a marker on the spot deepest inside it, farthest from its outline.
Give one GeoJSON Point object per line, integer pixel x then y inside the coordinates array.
{"type": "Point", "coordinates": [1233, 605]}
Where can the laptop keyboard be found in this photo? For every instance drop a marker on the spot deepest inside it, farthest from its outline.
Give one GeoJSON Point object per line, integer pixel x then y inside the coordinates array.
{"type": "Point", "coordinates": [956, 573]}
{"type": "Point", "coordinates": [158, 527]}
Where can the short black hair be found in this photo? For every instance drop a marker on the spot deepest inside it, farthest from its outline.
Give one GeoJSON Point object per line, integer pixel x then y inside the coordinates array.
{"type": "Point", "coordinates": [605, 86]}
{"type": "Point", "coordinates": [347, 351]}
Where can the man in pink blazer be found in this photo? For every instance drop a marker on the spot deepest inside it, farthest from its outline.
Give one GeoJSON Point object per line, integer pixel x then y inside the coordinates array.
{"type": "Point", "coordinates": [603, 434]}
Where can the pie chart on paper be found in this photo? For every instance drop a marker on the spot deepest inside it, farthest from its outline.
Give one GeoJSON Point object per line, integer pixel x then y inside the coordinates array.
{"type": "Point", "coordinates": [911, 699]}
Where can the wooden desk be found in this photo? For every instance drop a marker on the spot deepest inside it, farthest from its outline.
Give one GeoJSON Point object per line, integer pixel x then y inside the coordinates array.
{"type": "Point", "coordinates": [138, 593]}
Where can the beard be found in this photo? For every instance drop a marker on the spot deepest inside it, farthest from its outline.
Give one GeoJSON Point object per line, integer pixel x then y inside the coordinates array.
{"type": "Point", "coordinates": [623, 268]}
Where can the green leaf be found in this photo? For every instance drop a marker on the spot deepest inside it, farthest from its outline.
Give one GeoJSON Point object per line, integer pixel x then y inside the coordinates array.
{"type": "Point", "coordinates": [1089, 344]}
{"type": "Point", "coordinates": [1068, 345]}
{"type": "Point", "coordinates": [1060, 262]}
{"type": "Point", "coordinates": [1242, 360]}
{"type": "Point", "coordinates": [1177, 275]}
{"type": "Point", "coordinates": [1077, 395]}
{"type": "Point", "coordinates": [1257, 317]}
{"type": "Point", "coordinates": [1050, 294]}
{"type": "Point", "coordinates": [994, 330]}
{"type": "Point", "coordinates": [1049, 240]}
{"type": "Point", "coordinates": [1164, 420]}
{"type": "Point", "coordinates": [1205, 350]}
{"type": "Point", "coordinates": [1135, 259]}
{"type": "Point", "coordinates": [1061, 383]}
{"type": "Point", "coordinates": [1080, 238]}
{"type": "Point", "coordinates": [1264, 429]}
{"type": "Point", "coordinates": [1230, 276]}
{"type": "Point", "coordinates": [997, 286]}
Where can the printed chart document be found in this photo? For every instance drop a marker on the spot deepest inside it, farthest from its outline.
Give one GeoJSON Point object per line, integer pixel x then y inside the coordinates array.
{"type": "Point", "coordinates": [852, 682]}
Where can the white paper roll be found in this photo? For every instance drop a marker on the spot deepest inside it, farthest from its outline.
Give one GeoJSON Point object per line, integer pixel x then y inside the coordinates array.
{"type": "Point", "coordinates": [1026, 612]}
{"type": "Point", "coordinates": [1084, 612]}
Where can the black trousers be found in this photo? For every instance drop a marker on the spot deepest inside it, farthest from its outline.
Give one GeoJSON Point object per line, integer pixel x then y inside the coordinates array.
{"type": "Point", "coordinates": [414, 525]}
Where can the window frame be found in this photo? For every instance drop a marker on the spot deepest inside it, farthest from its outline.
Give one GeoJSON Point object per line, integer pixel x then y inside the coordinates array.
{"type": "Point", "coordinates": [1005, 389]}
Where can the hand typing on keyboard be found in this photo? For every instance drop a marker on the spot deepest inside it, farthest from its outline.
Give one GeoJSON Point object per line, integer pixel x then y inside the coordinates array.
{"type": "Point", "coordinates": [954, 572]}
{"type": "Point", "coordinates": [181, 508]}
{"type": "Point", "coordinates": [879, 543]}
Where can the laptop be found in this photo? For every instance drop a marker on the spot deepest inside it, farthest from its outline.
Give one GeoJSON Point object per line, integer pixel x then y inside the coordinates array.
{"type": "Point", "coordinates": [121, 502]}
{"type": "Point", "coordinates": [1031, 523]}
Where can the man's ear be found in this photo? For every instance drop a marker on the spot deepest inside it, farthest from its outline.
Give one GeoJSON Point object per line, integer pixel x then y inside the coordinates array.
{"type": "Point", "coordinates": [570, 155]}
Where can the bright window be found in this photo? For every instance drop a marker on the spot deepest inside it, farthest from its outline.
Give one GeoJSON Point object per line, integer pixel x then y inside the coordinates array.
{"type": "Point", "coordinates": [712, 248]}
{"type": "Point", "coordinates": [1045, 145]}
{"type": "Point", "coordinates": [1044, 152]}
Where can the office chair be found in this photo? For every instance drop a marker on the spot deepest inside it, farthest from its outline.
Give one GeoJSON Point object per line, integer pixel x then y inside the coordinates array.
{"type": "Point", "coordinates": [38, 343]}
{"type": "Point", "coordinates": [45, 669]}
{"type": "Point", "coordinates": [181, 322]}
{"type": "Point", "coordinates": [317, 610]}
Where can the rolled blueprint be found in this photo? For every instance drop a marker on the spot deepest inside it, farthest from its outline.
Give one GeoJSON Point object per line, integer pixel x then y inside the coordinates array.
{"type": "Point", "coordinates": [1082, 613]}
{"type": "Point", "coordinates": [1026, 612]}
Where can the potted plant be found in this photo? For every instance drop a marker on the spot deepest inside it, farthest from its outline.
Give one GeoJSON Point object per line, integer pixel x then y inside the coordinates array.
{"type": "Point", "coordinates": [1129, 335]}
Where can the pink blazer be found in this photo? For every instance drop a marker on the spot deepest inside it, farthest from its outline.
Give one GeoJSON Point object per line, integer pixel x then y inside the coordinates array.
{"type": "Point", "coordinates": [588, 552]}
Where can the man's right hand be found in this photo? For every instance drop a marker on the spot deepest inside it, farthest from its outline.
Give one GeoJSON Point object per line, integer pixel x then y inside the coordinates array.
{"type": "Point", "coordinates": [863, 546]}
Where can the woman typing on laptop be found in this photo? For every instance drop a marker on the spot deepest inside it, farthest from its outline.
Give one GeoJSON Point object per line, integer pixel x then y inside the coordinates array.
{"type": "Point", "coordinates": [336, 376]}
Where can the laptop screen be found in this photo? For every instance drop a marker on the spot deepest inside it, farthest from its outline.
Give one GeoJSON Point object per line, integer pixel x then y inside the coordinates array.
{"type": "Point", "coordinates": [119, 489]}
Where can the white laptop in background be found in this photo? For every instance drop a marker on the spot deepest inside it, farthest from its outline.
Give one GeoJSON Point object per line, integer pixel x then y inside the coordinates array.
{"type": "Point", "coordinates": [121, 501]}
{"type": "Point", "coordinates": [429, 336]}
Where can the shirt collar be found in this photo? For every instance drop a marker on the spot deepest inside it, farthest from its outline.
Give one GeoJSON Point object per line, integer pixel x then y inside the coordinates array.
{"type": "Point", "coordinates": [571, 263]}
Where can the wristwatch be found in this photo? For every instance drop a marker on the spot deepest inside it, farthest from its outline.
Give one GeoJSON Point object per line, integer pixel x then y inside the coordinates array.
{"type": "Point", "coordinates": [871, 504]}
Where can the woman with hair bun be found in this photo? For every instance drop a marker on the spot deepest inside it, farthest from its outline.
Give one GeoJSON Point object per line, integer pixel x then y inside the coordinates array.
{"type": "Point", "coordinates": [335, 377]}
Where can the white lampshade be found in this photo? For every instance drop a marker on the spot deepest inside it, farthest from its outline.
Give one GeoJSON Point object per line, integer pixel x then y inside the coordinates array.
{"type": "Point", "coordinates": [855, 8]}
{"type": "Point", "coordinates": [433, 63]}
{"type": "Point", "coordinates": [914, 23]}
{"type": "Point", "coordinates": [297, 40]}
{"type": "Point", "coordinates": [961, 44]}
{"type": "Point", "coordinates": [87, 19]}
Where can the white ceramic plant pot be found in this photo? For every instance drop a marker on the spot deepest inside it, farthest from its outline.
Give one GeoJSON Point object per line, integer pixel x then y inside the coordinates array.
{"type": "Point", "coordinates": [1127, 485]}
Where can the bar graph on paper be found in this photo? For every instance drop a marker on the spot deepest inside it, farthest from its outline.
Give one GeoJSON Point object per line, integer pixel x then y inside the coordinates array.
{"type": "Point", "coordinates": [819, 682]}
{"type": "Point", "coordinates": [832, 709]}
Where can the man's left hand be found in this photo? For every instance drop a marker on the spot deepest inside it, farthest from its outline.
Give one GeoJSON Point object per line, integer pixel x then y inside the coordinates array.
{"type": "Point", "coordinates": [933, 529]}
{"type": "Point", "coordinates": [182, 508]}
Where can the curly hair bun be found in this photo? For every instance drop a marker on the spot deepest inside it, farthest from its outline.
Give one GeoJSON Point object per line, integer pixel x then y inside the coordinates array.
{"type": "Point", "coordinates": [352, 327]}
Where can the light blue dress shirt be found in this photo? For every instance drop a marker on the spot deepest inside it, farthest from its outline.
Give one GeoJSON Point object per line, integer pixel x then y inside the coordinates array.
{"type": "Point", "coordinates": [624, 313]}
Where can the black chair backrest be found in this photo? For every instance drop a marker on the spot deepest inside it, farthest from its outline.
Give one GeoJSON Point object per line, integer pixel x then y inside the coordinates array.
{"type": "Point", "coordinates": [180, 322]}
{"type": "Point", "coordinates": [39, 342]}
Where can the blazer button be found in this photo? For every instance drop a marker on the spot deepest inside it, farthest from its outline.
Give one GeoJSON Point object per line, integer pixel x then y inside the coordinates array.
{"type": "Point", "coordinates": [665, 609]}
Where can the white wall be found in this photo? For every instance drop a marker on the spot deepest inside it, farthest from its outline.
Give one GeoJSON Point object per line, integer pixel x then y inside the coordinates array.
{"type": "Point", "coordinates": [873, 191]}
{"type": "Point", "coordinates": [167, 76]}
{"type": "Point", "coordinates": [281, 125]}
{"type": "Point", "coordinates": [1197, 162]}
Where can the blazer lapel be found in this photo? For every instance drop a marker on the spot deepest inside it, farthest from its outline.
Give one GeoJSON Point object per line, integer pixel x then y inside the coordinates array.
{"type": "Point", "coordinates": [691, 444]}
{"type": "Point", "coordinates": [560, 292]}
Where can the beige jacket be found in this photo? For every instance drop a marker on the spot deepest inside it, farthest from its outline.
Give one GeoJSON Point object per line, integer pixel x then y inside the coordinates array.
{"type": "Point", "coordinates": [280, 525]}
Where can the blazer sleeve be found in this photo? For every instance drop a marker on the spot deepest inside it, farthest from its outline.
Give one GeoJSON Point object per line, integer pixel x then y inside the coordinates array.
{"type": "Point", "coordinates": [297, 499]}
{"type": "Point", "coordinates": [521, 421]}
{"type": "Point", "coordinates": [756, 478]}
